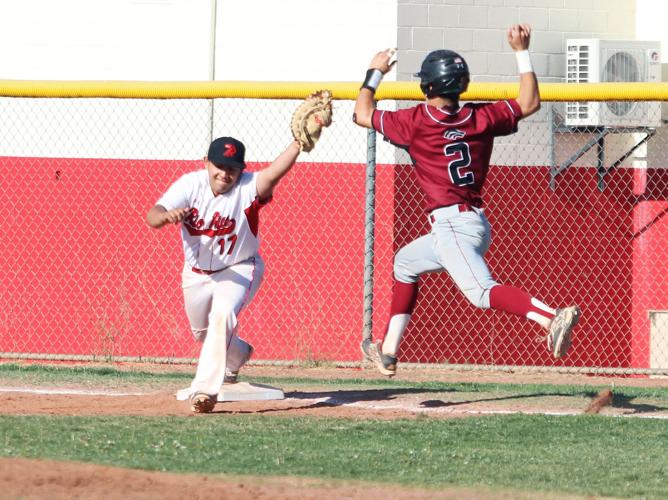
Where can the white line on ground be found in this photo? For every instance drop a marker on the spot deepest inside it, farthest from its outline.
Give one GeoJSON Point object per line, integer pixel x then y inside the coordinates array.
{"type": "Point", "coordinates": [78, 392]}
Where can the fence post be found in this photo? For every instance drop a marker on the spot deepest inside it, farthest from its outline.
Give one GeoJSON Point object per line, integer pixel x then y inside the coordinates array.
{"type": "Point", "coordinates": [369, 216]}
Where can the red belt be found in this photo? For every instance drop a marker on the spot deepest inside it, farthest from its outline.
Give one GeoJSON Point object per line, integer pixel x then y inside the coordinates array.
{"type": "Point", "coordinates": [204, 271]}
{"type": "Point", "coordinates": [463, 207]}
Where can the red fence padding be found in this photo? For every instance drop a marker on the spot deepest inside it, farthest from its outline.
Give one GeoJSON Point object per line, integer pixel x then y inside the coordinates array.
{"type": "Point", "coordinates": [83, 274]}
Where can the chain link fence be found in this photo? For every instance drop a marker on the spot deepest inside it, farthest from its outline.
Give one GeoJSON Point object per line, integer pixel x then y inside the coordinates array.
{"type": "Point", "coordinates": [579, 212]}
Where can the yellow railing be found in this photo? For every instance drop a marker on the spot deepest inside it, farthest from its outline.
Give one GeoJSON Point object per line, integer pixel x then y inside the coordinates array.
{"type": "Point", "coordinates": [483, 91]}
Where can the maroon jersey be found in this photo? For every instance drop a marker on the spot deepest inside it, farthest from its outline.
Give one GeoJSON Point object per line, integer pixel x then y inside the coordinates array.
{"type": "Point", "coordinates": [450, 150]}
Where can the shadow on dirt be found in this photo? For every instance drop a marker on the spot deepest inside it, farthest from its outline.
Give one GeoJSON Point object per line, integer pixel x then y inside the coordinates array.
{"type": "Point", "coordinates": [329, 399]}
{"type": "Point", "coordinates": [407, 397]}
{"type": "Point", "coordinates": [626, 402]}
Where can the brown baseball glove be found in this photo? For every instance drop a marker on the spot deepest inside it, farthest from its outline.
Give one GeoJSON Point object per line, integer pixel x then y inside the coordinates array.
{"type": "Point", "coordinates": [310, 117]}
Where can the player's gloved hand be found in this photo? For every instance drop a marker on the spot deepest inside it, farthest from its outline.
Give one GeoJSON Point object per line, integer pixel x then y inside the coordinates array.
{"type": "Point", "coordinates": [311, 117]}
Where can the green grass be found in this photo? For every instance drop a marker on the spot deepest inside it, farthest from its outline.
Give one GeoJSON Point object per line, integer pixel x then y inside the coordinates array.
{"type": "Point", "coordinates": [82, 374]}
{"type": "Point", "coordinates": [587, 455]}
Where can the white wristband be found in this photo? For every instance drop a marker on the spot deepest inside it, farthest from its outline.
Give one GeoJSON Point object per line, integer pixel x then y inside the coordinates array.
{"type": "Point", "coordinates": [524, 61]}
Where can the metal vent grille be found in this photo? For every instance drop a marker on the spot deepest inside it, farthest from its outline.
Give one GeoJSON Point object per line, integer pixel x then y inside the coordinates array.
{"type": "Point", "coordinates": [577, 71]}
{"type": "Point", "coordinates": [621, 67]}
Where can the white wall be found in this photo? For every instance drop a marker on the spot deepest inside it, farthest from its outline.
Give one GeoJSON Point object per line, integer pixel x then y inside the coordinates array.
{"type": "Point", "coordinates": [170, 39]}
{"type": "Point", "coordinates": [650, 23]}
{"type": "Point", "coordinates": [302, 40]}
{"type": "Point", "coordinates": [298, 40]}
{"type": "Point", "coordinates": [104, 39]}
{"type": "Point", "coordinates": [291, 40]}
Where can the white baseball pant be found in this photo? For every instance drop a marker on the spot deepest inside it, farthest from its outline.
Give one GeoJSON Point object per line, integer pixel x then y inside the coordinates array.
{"type": "Point", "coordinates": [213, 303]}
{"type": "Point", "coordinates": [457, 244]}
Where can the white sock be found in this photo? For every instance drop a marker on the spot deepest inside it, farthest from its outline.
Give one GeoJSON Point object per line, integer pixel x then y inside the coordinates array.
{"type": "Point", "coordinates": [395, 330]}
{"type": "Point", "coordinates": [542, 320]}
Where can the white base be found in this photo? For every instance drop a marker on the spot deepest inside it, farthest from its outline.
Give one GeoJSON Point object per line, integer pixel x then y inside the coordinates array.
{"type": "Point", "coordinates": [244, 391]}
{"type": "Point", "coordinates": [241, 391]}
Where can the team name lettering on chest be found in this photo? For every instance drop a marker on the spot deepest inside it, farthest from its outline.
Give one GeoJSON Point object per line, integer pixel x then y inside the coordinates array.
{"type": "Point", "coordinates": [218, 226]}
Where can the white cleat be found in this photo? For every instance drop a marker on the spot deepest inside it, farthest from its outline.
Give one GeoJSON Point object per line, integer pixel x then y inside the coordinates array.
{"type": "Point", "coordinates": [561, 330]}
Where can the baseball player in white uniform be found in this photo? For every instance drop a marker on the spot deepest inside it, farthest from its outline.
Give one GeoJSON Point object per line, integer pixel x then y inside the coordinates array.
{"type": "Point", "coordinates": [218, 208]}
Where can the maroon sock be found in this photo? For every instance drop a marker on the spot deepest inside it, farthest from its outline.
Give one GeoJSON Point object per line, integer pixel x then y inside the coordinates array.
{"type": "Point", "coordinates": [514, 300]}
{"type": "Point", "coordinates": [404, 296]}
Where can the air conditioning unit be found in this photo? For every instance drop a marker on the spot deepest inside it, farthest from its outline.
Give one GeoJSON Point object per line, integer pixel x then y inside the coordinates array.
{"type": "Point", "coordinates": [592, 60]}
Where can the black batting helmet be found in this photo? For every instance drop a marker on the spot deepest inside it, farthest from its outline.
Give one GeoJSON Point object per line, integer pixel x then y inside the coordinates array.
{"type": "Point", "coordinates": [445, 73]}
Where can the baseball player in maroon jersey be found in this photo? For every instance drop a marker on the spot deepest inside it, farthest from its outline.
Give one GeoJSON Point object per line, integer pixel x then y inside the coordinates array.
{"type": "Point", "coordinates": [218, 208]}
{"type": "Point", "coordinates": [450, 146]}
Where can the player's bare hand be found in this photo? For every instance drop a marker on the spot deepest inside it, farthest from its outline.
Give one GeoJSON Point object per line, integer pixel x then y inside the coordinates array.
{"type": "Point", "coordinates": [519, 36]}
{"type": "Point", "coordinates": [176, 215]}
{"type": "Point", "coordinates": [384, 60]}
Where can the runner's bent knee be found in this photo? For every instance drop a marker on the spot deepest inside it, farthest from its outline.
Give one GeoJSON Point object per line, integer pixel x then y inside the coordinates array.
{"type": "Point", "coordinates": [403, 271]}
{"type": "Point", "coordinates": [478, 296]}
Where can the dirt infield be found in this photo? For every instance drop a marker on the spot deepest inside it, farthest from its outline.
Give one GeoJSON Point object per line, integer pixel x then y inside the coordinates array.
{"type": "Point", "coordinates": [41, 479]}
{"type": "Point", "coordinates": [327, 402]}
{"type": "Point", "coordinates": [44, 479]}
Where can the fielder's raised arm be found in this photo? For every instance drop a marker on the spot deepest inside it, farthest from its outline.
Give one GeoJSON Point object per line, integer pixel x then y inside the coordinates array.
{"type": "Point", "coordinates": [269, 177]}
{"type": "Point", "coordinates": [381, 64]}
{"type": "Point", "coordinates": [519, 36]}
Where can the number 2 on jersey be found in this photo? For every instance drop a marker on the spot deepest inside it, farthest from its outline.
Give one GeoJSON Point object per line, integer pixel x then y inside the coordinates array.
{"type": "Point", "coordinates": [232, 239]}
{"type": "Point", "coordinates": [459, 174]}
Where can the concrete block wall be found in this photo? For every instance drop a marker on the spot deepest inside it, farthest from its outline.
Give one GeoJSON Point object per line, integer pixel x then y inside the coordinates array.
{"type": "Point", "coordinates": [477, 30]}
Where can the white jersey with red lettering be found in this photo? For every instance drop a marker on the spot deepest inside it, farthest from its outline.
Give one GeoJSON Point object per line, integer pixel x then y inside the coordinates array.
{"type": "Point", "coordinates": [221, 230]}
